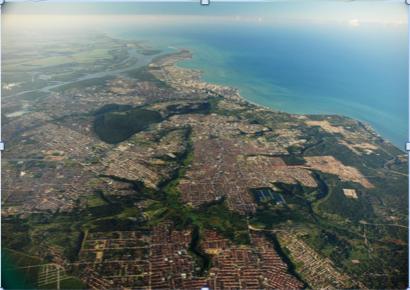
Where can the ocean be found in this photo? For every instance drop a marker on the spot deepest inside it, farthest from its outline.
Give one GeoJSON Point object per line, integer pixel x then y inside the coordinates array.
{"type": "Point", "coordinates": [359, 71]}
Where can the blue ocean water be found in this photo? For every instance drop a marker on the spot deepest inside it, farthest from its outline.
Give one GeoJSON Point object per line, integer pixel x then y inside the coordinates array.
{"type": "Point", "coordinates": [356, 71]}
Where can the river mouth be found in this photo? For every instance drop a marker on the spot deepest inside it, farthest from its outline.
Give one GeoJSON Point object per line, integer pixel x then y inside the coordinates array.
{"type": "Point", "coordinates": [136, 58]}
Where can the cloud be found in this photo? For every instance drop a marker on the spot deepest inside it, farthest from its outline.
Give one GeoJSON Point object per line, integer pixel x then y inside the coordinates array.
{"type": "Point", "coordinates": [354, 22]}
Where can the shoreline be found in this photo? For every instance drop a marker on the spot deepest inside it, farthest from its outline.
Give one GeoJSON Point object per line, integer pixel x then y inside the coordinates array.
{"type": "Point", "coordinates": [201, 82]}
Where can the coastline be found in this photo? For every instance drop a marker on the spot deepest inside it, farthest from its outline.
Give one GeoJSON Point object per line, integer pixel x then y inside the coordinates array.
{"type": "Point", "coordinates": [197, 80]}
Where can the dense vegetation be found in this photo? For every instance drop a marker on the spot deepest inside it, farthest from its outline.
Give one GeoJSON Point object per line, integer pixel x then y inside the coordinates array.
{"type": "Point", "coordinates": [116, 126]}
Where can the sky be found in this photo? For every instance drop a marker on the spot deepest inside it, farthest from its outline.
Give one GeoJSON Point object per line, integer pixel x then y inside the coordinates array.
{"type": "Point", "coordinates": [352, 13]}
